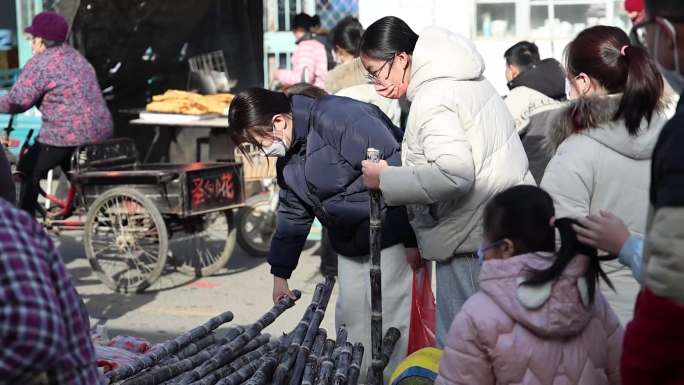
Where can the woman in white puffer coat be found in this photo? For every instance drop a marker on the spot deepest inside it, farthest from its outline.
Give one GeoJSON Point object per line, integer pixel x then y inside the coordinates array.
{"type": "Point", "coordinates": [603, 140]}
{"type": "Point", "coordinates": [460, 149]}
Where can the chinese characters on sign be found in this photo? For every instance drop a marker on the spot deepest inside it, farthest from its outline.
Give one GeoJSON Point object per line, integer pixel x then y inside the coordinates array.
{"type": "Point", "coordinates": [213, 190]}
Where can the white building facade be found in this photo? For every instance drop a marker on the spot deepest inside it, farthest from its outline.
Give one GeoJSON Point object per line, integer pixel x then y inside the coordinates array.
{"type": "Point", "coordinates": [495, 25]}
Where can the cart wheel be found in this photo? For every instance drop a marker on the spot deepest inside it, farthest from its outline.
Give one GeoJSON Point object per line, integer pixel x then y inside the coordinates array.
{"type": "Point", "coordinates": [126, 241]}
{"type": "Point", "coordinates": [255, 226]}
{"type": "Point", "coordinates": [204, 244]}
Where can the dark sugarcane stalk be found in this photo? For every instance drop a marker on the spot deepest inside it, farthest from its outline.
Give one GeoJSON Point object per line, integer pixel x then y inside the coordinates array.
{"type": "Point", "coordinates": [245, 358]}
{"type": "Point", "coordinates": [253, 350]}
{"type": "Point", "coordinates": [305, 347]}
{"type": "Point", "coordinates": [193, 348]}
{"type": "Point", "coordinates": [264, 374]}
{"type": "Point", "coordinates": [273, 349]}
{"type": "Point", "coordinates": [375, 372]}
{"type": "Point", "coordinates": [242, 375]}
{"type": "Point", "coordinates": [285, 341]}
{"type": "Point", "coordinates": [256, 343]}
{"type": "Point", "coordinates": [229, 352]}
{"type": "Point", "coordinates": [309, 376]}
{"type": "Point", "coordinates": [389, 342]}
{"type": "Point", "coordinates": [312, 362]}
{"type": "Point", "coordinates": [327, 365]}
{"type": "Point", "coordinates": [355, 368]}
{"type": "Point", "coordinates": [289, 356]}
{"type": "Point", "coordinates": [163, 373]}
{"type": "Point", "coordinates": [196, 347]}
{"type": "Point", "coordinates": [342, 336]}
{"type": "Point", "coordinates": [160, 374]}
{"type": "Point", "coordinates": [299, 335]}
{"type": "Point", "coordinates": [168, 348]}
{"type": "Point", "coordinates": [343, 362]}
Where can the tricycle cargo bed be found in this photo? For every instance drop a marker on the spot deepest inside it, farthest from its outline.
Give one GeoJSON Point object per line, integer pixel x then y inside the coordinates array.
{"type": "Point", "coordinates": [179, 189]}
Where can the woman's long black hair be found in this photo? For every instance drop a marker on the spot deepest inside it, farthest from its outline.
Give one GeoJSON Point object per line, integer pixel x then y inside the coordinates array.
{"type": "Point", "coordinates": [522, 214]}
{"type": "Point", "coordinates": [387, 37]}
{"type": "Point", "coordinates": [254, 109]}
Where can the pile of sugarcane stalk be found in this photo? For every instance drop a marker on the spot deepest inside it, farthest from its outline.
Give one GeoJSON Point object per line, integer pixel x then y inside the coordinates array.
{"type": "Point", "coordinates": [245, 355]}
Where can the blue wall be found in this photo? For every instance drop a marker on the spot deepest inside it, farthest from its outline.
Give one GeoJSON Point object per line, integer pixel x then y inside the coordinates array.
{"type": "Point", "coordinates": [22, 124]}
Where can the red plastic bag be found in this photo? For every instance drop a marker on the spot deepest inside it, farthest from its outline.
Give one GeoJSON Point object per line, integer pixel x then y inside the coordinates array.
{"type": "Point", "coordinates": [422, 326]}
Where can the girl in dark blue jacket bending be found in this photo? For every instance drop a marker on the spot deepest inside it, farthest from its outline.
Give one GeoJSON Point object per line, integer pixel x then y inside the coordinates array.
{"type": "Point", "coordinates": [320, 142]}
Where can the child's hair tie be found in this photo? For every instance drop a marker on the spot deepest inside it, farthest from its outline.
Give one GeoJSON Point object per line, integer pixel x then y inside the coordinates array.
{"type": "Point", "coordinates": [623, 50]}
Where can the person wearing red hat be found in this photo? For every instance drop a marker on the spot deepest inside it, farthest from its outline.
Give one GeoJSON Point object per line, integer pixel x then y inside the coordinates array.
{"type": "Point", "coordinates": [61, 83]}
{"type": "Point", "coordinates": [635, 10]}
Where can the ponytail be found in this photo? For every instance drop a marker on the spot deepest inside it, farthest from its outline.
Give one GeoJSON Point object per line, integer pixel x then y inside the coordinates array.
{"type": "Point", "coordinates": [522, 214]}
{"type": "Point", "coordinates": [570, 248]}
{"type": "Point", "coordinates": [643, 89]}
{"type": "Point", "coordinates": [605, 54]}
{"type": "Point", "coordinates": [386, 38]}
{"type": "Point", "coordinates": [255, 107]}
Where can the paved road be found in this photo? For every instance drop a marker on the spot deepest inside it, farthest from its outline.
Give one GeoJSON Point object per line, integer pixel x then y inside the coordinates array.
{"type": "Point", "coordinates": [177, 303]}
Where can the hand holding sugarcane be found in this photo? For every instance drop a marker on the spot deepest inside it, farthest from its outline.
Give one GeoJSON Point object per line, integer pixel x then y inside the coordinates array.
{"type": "Point", "coordinates": [281, 289]}
{"type": "Point", "coordinates": [371, 173]}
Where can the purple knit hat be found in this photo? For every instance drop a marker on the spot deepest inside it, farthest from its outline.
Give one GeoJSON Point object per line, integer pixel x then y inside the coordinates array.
{"type": "Point", "coordinates": [49, 26]}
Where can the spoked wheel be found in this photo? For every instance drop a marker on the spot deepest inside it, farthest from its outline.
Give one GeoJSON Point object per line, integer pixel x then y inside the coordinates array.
{"type": "Point", "coordinates": [256, 226]}
{"type": "Point", "coordinates": [203, 244]}
{"type": "Point", "coordinates": [126, 240]}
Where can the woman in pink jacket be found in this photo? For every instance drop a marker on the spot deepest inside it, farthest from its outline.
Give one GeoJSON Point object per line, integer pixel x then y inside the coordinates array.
{"type": "Point", "coordinates": [309, 59]}
{"type": "Point", "coordinates": [538, 318]}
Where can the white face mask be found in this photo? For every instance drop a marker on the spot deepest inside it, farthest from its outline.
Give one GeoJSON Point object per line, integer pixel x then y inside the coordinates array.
{"type": "Point", "coordinates": [278, 148]}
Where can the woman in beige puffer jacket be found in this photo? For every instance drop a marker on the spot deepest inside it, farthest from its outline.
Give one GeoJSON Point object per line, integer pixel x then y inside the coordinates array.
{"type": "Point", "coordinates": [604, 139]}
{"type": "Point", "coordinates": [460, 148]}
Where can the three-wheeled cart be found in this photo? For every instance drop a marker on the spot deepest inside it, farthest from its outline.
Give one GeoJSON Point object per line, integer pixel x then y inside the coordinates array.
{"type": "Point", "coordinates": [140, 215]}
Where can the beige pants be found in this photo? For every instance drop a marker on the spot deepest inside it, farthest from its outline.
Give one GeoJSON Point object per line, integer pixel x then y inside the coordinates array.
{"type": "Point", "coordinates": [354, 302]}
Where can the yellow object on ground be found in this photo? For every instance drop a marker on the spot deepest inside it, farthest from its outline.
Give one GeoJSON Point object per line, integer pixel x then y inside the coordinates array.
{"type": "Point", "coordinates": [420, 368]}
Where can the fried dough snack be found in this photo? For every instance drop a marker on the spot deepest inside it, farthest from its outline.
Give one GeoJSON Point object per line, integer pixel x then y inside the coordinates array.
{"type": "Point", "coordinates": [189, 103]}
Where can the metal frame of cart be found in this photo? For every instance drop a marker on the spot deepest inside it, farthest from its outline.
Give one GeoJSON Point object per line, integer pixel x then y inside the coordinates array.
{"type": "Point", "coordinates": [138, 215]}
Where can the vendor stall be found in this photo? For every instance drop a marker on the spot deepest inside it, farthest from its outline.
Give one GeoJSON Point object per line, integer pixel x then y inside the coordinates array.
{"type": "Point", "coordinates": [176, 111]}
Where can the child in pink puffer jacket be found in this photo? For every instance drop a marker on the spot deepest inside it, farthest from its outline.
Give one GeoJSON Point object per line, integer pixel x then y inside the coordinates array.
{"type": "Point", "coordinates": [539, 318]}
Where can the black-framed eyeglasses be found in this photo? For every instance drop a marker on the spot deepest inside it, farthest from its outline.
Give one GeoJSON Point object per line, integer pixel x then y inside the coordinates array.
{"type": "Point", "coordinates": [639, 34]}
{"type": "Point", "coordinates": [373, 77]}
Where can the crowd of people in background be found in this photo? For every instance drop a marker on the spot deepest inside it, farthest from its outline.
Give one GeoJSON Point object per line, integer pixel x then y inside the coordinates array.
{"type": "Point", "coordinates": [527, 204]}
{"type": "Point", "coordinates": [524, 292]}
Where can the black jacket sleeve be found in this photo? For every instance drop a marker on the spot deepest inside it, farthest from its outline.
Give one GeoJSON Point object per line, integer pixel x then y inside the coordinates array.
{"type": "Point", "coordinates": [292, 228]}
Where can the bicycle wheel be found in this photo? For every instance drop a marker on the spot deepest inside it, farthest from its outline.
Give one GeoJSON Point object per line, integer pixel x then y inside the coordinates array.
{"type": "Point", "coordinates": [126, 240]}
{"type": "Point", "coordinates": [254, 229]}
{"type": "Point", "coordinates": [203, 244]}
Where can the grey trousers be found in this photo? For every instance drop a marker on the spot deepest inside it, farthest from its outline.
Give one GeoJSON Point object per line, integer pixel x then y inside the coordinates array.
{"type": "Point", "coordinates": [457, 280]}
{"type": "Point", "coordinates": [354, 303]}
